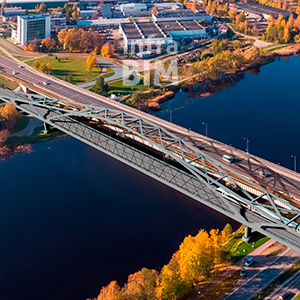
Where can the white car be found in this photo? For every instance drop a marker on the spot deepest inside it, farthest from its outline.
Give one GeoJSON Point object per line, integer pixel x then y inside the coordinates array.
{"type": "Point", "coordinates": [45, 83]}
{"type": "Point", "coordinates": [20, 66]}
{"type": "Point", "coordinates": [14, 72]}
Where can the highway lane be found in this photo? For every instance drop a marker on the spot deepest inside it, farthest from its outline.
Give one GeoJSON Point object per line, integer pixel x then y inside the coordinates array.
{"type": "Point", "coordinates": [292, 285]}
{"type": "Point", "coordinates": [262, 275]}
{"type": "Point", "coordinates": [282, 179]}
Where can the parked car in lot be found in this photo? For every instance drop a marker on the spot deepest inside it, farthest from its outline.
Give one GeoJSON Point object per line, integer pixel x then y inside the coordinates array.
{"type": "Point", "coordinates": [249, 261]}
{"type": "Point", "coordinates": [243, 272]}
{"type": "Point", "coordinates": [284, 295]}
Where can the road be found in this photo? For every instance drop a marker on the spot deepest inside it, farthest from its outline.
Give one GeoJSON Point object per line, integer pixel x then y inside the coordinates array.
{"type": "Point", "coordinates": [260, 275]}
{"type": "Point", "coordinates": [292, 285]}
{"type": "Point", "coordinates": [282, 179]}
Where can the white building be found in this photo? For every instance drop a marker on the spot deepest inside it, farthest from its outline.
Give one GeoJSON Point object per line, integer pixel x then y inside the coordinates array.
{"type": "Point", "coordinates": [32, 27]}
{"type": "Point", "coordinates": [133, 7]}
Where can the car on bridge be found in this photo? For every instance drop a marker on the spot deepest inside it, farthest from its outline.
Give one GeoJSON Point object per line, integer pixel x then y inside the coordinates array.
{"type": "Point", "coordinates": [249, 261]}
{"type": "Point", "coordinates": [284, 295]}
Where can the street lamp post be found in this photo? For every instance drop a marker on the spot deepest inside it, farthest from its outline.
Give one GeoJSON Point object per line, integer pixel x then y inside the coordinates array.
{"type": "Point", "coordinates": [295, 162]}
{"type": "Point", "coordinates": [205, 128]}
{"type": "Point", "coordinates": [247, 144]}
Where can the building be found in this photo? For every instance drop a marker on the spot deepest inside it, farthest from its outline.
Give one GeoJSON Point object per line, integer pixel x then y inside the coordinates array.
{"type": "Point", "coordinates": [159, 33]}
{"type": "Point", "coordinates": [32, 27]}
{"type": "Point", "coordinates": [14, 11]}
{"type": "Point", "coordinates": [181, 14]}
{"type": "Point", "coordinates": [88, 13]}
{"type": "Point", "coordinates": [133, 8]}
{"type": "Point", "coordinates": [106, 11]}
{"type": "Point", "coordinates": [102, 23]}
{"type": "Point", "coordinates": [58, 23]}
{"type": "Point", "coordinates": [257, 10]}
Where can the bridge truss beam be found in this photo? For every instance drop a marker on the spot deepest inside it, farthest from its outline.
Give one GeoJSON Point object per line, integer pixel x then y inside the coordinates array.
{"type": "Point", "coordinates": [176, 162]}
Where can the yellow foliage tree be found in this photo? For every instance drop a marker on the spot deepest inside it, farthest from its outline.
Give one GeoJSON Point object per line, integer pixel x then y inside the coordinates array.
{"type": "Point", "coordinates": [61, 36]}
{"type": "Point", "coordinates": [91, 60]}
{"type": "Point", "coordinates": [107, 50]}
{"type": "Point", "coordinates": [9, 116]}
{"type": "Point", "coordinates": [110, 292]}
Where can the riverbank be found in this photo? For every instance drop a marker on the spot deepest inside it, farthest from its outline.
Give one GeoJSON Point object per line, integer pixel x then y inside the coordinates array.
{"type": "Point", "coordinates": [228, 79]}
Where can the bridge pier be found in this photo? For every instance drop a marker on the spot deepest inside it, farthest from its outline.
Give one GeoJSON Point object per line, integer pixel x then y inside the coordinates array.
{"type": "Point", "coordinates": [247, 235]}
{"type": "Point", "coordinates": [46, 128]}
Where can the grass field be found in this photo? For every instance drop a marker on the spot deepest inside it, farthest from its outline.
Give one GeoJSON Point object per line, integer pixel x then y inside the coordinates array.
{"type": "Point", "coordinates": [22, 58]}
{"type": "Point", "coordinates": [297, 297]}
{"type": "Point", "coordinates": [237, 249]}
{"type": "Point", "coordinates": [118, 87]}
{"type": "Point", "coordinates": [8, 84]}
{"type": "Point", "coordinates": [74, 65]}
{"type": "Point", "coordinates": [3, 54]}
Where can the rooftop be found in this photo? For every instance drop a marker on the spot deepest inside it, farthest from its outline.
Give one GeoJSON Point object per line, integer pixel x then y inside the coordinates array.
{"type": "Point", "coordinates": [35, 17]}
{"type": "Point", "coordinates": [191, 25]}
{"type": "Point", "coordinates": [170, 26]}
{"type": "Point", "coordinates": [180, 13]}
{"type": "Point", "coordinates": [149, 29]}
{"type": "Point", "coordinates": [260, 9]}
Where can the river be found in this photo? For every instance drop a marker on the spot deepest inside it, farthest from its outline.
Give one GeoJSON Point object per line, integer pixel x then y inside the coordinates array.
{"type": "Point", "coordinates": [72, 219]}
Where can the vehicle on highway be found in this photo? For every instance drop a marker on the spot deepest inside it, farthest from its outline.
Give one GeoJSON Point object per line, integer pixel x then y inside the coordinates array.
{"type": "Point", "coordinates": [284, 295]}
{"type": "Point", "coordinates": [243, 272]}
{"type": "Point", "coordinates": [14, 72]}
{"type": "Point", "coordinates": [45, 83]}
{"type": "Point", "coordinates": [249, 261]}
{"type": "Point", "coordinates": [228, 158]}
{"type": "Point", "coordinates": [262, 174]}
{"type": "Point", "coordinates": [20, 66]}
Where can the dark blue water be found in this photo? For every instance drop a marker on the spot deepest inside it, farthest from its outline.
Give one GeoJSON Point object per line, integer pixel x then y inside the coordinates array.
{"type": "Point", "coordinates": [265, 108]}
{"type": "Point", "coordinates": [72, 219]}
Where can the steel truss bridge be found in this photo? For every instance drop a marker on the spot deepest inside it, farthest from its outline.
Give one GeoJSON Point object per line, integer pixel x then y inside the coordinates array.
{"type": "Point", "coordinates": [164, 156]}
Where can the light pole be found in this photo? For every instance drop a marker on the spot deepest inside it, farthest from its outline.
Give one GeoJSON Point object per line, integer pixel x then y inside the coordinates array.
{"type": "Point", "coordinates": [205, 128]}
{"type": "Point", "coordinates": [247, 144]}
{"type": "Point", "coordinates": [295, 162]}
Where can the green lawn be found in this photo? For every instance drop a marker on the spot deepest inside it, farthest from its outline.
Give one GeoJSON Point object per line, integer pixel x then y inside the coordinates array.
{"type": "Point", "coordinates": [8, 84]}
{"type": "Point", "coordinates": [74, 65]}
{"type": "Point", "coordinates": [38, 136]}
{"type": "Point", "coordinates": [118, 87]}
{"type": "Point", "coordinates": [22, 58]}
{"type": "Point", "coordinates": [3, 54]}
{"type": "Point", "coordinates": [237, 249]}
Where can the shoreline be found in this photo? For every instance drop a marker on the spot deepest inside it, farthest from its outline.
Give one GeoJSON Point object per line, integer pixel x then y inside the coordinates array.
{"type": "Point", "coordinates": [208, 87]}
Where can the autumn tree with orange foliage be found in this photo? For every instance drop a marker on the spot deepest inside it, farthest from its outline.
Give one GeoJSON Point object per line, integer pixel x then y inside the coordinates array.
{"type": "Point", "coordinates": [154, 10]}
{"type": "Point", "coordinates": [107, 50]}
{"type": "Point", "coordinates": [91, 60]}
{"type": "Point", "coordinates": [110, 292]}
{"type": "Point", "coordinates": [8, 116]}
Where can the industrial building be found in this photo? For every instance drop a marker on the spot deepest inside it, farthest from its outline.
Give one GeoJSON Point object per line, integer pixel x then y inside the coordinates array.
{"type": "Point", "coordinates": [181, 14]}
{"type": "Point", "coordinates": [257, 10]}
{"type": "Point", "coordinates": [106, 11]}
{"type": "Point", "coordinates": [133, 7]}
{"type": "Point", "coordinates": [159, 33]}
{"type": "Point", "coordinates": [58, 23]}
{"type": "Point", "coordinates": [14, 11]}
{"type": "Point", "coordinates": [32, 27]}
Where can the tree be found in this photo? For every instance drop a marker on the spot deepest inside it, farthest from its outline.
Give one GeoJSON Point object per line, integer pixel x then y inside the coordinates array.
{"type": "Point", "coordinates": [228, 229]}
{"type": "Point", "coordinates": [91, 60]}
{"type": "Point", "coordinates": [36, 64]}
{"type": "Point", "coordinates": [232, 13]}
{"type": "Point", "coordinates": [154, 10]}
{"type": "Point", "coordinates": [170, 283]}
{"type": "Point", "coordinates": [107, 50]}
{"type": "Point", "coordinates": [240, 18]}
{"type": "Point", "coordinates": [218, 46]}
{"type": "Point", "coordinates": [75, 13]}
{"type": "Point", "coordinates": [8, 116]}
{"type": "Point", "coordinates": [286, 35]}
{"type": "Point", "coordinates": [284, 6]}
{"type": "Point", "coordinates": [3, 5]}
{"type": "Point", "coordinates": [141, 285]}
{"type": "Point", "coordinates": [194, 5]}
{"type": "Point", "coordinates": [41, 9]}
{"type": "Point", "coordinates": [110, 292]}
{"type": "Point", "coordinates": [100, 87]}
{"type": "Point", "coordinates": [61, 36]}
{"type": "Point", "coordinates": [4, 134]}
{"type": "Point", "coordinates": [297, 39]}
{"type": "Point", "coordinates": [254, 31]}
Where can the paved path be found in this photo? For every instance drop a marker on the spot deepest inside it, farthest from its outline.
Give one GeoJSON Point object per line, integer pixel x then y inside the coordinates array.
{"type": "Point", "coordinates": [105, 63]}
{"type": "Point", "coordinates": [257, 43]}
{"type": "Point", "coordinates": [262, 274]}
